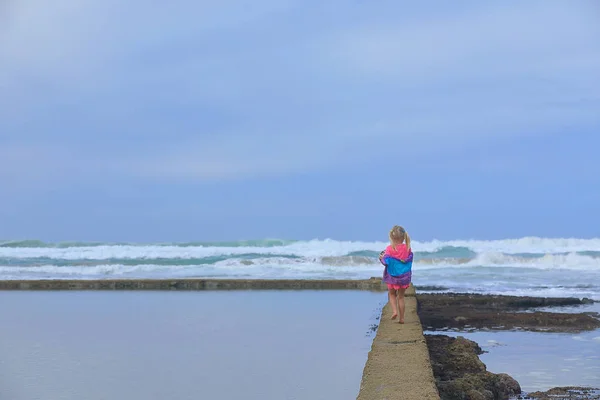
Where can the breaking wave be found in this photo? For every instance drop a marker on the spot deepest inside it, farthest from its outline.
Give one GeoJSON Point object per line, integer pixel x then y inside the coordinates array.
{"type": "Point", "coordinates": [561, 266]}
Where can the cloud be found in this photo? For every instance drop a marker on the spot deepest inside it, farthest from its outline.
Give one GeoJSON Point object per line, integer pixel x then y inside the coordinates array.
{"type": "Point", "coordinates": [29, 166]}
{"type": "Point", "coordinates": [501, 39]}
{"type": "Point", "coordinates": [237, 90]}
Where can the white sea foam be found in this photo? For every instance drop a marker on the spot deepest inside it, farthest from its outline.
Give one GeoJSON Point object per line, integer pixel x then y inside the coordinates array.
{"type": "Point", "coordinates": [527, 266]}
{"type": "Point", "coordinates": [225, 269]}
{"type": "Point", "coordinates": [547, 261]}
{"type": "Point", "coordinates": [534, 245]}
{"type": "Point", "coordinates": [312, 248]}
{"type": "Point", "coordinates": [493, 343]}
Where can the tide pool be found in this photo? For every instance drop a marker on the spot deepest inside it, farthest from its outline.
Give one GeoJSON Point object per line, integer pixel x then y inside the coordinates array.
{"type": "Point", "coordinates": [185, 345]}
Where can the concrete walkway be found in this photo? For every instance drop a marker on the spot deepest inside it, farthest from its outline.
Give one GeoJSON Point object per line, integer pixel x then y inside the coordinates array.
{"type": "Point", "coordinates": [398, 366]}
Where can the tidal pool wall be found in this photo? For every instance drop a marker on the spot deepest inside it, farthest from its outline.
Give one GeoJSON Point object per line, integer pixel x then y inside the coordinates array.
{"type": "Point", "coordinates": [398, 364]}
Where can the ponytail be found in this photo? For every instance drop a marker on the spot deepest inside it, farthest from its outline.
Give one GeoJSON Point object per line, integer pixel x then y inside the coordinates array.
{"type": "Point", "coordinates": [399, 235]}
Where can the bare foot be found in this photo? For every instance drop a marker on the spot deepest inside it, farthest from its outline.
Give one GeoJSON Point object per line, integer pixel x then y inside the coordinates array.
{"type": "Point", "coordinates": [394, 316]}
{"type": "Point", "coordinates": [401, 321]}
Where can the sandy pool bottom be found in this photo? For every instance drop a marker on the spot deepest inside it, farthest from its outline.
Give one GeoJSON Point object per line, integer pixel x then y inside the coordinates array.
{"type": "Point", "coordinates": [185, 345]}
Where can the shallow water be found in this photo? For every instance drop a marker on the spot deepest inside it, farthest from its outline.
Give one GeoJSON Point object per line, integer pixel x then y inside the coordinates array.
{"type": "Point", "coordinates": [541, 361]}
{"type": "Point", "coordinates": [184, 345]}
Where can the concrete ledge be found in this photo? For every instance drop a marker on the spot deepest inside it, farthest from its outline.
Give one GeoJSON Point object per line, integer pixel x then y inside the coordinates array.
{"type": "Point", "coordinates": [373, 284]}
{"type": "Point", "coordinates": [398, 366]}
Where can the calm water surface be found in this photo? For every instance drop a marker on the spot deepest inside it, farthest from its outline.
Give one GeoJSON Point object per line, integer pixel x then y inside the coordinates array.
{"type": "Point", "coordinates": [184, 345]}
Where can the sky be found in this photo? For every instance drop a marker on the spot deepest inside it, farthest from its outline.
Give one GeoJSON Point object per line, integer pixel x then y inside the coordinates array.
{"type": "Point", "coordinates": [204, 120]}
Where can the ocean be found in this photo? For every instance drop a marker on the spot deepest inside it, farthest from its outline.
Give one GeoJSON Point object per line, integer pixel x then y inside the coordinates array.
{"type": "Point", "coordinates": [526, 266]}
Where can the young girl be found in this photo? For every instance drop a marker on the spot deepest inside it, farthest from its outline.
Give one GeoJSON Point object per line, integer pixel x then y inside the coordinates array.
{"type": "Point", "coordinates": [397, 258]}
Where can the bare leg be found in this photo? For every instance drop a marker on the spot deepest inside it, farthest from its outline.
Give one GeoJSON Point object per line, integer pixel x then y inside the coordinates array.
{"type": "Point", "coordinates": [393, 302]}
{"type": "Point", "coordinates": [401, 305]}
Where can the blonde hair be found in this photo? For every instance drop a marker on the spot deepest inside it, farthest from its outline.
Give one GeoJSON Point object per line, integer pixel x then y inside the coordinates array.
{"type": "Point", "coordinates": [398, 235]}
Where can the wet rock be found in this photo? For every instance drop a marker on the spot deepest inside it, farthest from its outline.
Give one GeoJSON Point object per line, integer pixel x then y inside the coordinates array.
{"type": "Point", "coordinates": [460, 374]}
{"type": "Point", "coordinates": [473, 311]}
{"type": "Point", "coordinates": [507, 384]}
{"type": "Point", "coordinates": [566, 393]}
{"type": "Point", "coordinates": [431, 288]}
{"type": "Point", "coordinates": [475, 395]}
{"type": "Point", "coordinates": [499, 302]}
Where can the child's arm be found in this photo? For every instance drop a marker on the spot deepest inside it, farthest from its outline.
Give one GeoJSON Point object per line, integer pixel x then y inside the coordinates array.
{"type": "Point", "coordinates": [381, 255]}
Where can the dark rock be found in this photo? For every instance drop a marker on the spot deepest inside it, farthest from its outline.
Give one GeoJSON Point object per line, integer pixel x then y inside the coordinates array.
{"type": "Point", "coordinates": [460, 374]}
{"type": "Point", "coordinates": [432, 288]}
{"type": "Point", "coordinates": [566, 393]}
{"type": "Point", "coordinates": [475, 395]}
{"type": "Point", "coordinates": [461, 311]}
{"type": "Point", "coordinates": [499, 302]}
{"type": "Point", "coordinates": [507, 384]}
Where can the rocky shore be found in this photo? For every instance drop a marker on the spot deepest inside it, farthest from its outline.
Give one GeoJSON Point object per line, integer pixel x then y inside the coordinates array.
{"type": "Point", "coordinates": [565, 393]}
{"type": "Point", "coordinates": [460, 374]}
{"type": "Point", "coordinates": [474, 311]}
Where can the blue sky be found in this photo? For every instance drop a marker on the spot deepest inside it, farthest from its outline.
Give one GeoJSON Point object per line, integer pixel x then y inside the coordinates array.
{"type": "Point", "coordinates": [298, 119]}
